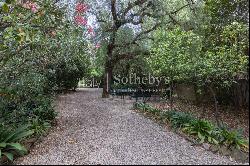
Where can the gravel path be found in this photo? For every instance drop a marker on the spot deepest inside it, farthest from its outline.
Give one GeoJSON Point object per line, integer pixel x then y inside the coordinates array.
{"type": "Point", "coordinates": [92, 130]}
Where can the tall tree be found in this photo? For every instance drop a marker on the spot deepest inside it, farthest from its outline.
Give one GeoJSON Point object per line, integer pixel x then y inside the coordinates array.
{"type": "Point", "coordinates": [141, 16]}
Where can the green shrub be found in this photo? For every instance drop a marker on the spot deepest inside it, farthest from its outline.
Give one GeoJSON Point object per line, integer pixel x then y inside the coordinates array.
{"type": "Point", "coordinates": [24, 97]}
{"type": "Point", "coordinates": [147, 108]}
{"type": "Point", "coordinates": [178, 119]}
{"type": "Point", "coordinates": [15, 114]}
{"type": "Point", "coordinates": [44, 110]}
{"type": "Point", "coordinates": [232, 138]}
{"type": "Point", "coordinates": [153, 110]}
{"type": "Point", "coordinates": [36, 64]}
{"type": "Point", "coordinates": [138, 105]}
{"type": "Point", "coordinates": [67, 72]}
{"type": "Point", "coordinates": [203, 129]}
{"type": "Point", "coordinates": [39, 127]}
{"type": "Point", "coordinates": [9, 139]}
{"type": "Point", "coordinates": [142, 106]}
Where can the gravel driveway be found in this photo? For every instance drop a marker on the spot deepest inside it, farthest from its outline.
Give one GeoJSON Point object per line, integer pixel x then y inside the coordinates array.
{"type": "Point", "coordinates": [92, 130]}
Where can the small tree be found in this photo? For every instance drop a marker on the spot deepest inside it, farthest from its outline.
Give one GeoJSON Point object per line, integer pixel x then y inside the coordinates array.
{"type": "Point", "coordinates": [174, 54]}
{"type": "Point", "coordinates": [219, 67]}
{"type": "Point", "coordinates": [180, 55]}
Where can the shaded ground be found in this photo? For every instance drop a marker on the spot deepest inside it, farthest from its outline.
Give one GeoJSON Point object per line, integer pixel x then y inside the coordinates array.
{"type": "Point", "coordinates": [92, 130]}
{"type": "Point", "coordinates": [233, 117]}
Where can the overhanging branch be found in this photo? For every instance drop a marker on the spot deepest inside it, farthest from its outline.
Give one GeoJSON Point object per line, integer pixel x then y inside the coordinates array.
{"type": "Point", "coordinates": [138, 37]}
{"type": "Point", "coordinates": [132, 5]}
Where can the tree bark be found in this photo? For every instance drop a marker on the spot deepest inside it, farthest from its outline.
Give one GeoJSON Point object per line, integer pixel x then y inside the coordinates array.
{"type": "Point", "coordinates": [108, 68]}
{"type": "Point", "coordinates": [215, 106]}
{"type": "Point", "coordinates": [171, 95]}
{"type": "Point", "coordinates": [107, 81]}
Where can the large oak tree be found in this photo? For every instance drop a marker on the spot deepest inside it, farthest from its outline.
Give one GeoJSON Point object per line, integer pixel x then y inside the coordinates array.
{"type": "Point", "coordinates": [142, 16]}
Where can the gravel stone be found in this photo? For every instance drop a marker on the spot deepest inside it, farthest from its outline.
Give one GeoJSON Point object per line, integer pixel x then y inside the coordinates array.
{"type": "Point", "coordinates": [92, 130]}
{"type": "Point", "coordinates": [206, 146]}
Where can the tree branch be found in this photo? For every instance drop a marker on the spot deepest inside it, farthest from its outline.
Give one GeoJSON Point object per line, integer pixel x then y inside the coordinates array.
{"type": "Point", "coordinates": [174, 12]}
{"type": "Point", "coordinates": [122, 57]}
{"type": "Point", "coordinates": [114, 13]}
{"type": "Point", "coordinates": [132, 5]}
{"type": "Point", "coordinates": [99, 19]}
{"type": "Point", "coordinates": [138, 37]}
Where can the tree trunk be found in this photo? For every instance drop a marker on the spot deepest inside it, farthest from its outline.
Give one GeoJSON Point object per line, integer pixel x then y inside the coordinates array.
{"type": "Point", "coordinates": [215, 106]}
{"type": "Point", "coordinates": [107, 81]}
{"type": "Point", "coordinates": [171, 95]}
{"type": "Point", "coordinates": [108, 69]}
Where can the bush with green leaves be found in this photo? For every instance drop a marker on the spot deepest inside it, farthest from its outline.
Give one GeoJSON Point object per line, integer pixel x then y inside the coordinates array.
{"type": "Point", "coordinates": [232, 138]}
{"type": "Point", "coordinates": [203, 129]}
{"type": "Point", "coordinates": [24, 103]}
{"type": "Point", "coordinates": [184, 56]}
{"type": "Point", "coordinates": [39, 126]}
{"type": "Point", "coordinates": [68, 72]}
{"type": "Point", "coordinates": [147, 108]}
{"type": "Point", "coordinates": [153, 110]}
{"type": "Point", "coordinates": [44, 110]}
{"type": "Point", "coordinates": [178, 119]}
{"type": "Point", "coordinates": [141, 106]}
{"type": "Point", "coordinates": [9, 139]}
{"type": "Point", "coordinates": [41, 52]}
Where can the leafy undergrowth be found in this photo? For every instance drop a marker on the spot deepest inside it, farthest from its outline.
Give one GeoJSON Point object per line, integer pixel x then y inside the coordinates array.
{"type": "Point", "coordinates": [12, 141]}
{"type": "Point", "coordinates": [200, 129]}
{"type": "Point", "coordinates": [232, 117]}
{"type": "Point", "coordinates": [9, 139]}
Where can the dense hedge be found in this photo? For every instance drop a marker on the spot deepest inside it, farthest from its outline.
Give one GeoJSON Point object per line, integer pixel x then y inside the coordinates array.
{"type": "Point", "coordinates": [41, 53]}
